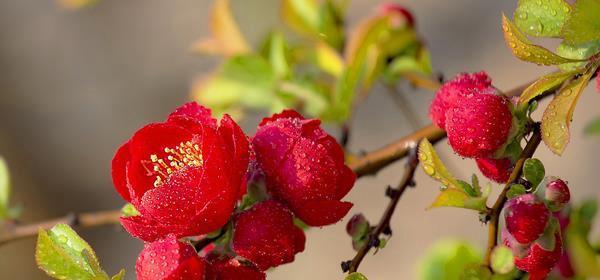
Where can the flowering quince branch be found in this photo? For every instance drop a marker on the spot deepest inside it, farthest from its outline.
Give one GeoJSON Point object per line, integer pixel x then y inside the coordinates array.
{"type": "Point", "coordinates": [383, 227]}
{"type": "Point", "coordinates": [494, 212]}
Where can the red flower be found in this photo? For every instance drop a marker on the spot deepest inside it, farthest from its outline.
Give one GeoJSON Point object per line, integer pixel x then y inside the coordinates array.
{"type": "Point", "coordinates": [266, 235]}
{"type": "Point", "coordinates": [304, 167]}
{"type": "Point", "coordinates": [526, 217]}
{"type": "Point", "coordinates": [183, 175]}
{"type": "Point", "coordinates": [169, 259]}
{"type": "Point", "coordinates": [232, 269]}
{"type": "Point", "coordinates": [498, 170]}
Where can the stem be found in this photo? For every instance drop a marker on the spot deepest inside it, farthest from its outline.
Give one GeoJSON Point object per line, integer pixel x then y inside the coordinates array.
{"type": "Point", "coordinates": [494, 212]}
{"type": "Point", "coordinates": [13, 231]}
{"type": "Point", "coordinates": [384, 223]}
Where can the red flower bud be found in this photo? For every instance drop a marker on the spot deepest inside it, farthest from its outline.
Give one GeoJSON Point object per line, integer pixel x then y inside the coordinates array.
{"type": "Point", "coordinates": [232, 269]}
{"type": "Point", "coordinates": [169, 259]}
{"type": "Point", "coordinates": [498, 170]}
{"type": "Point", "coordinates": [455, 90]}
{"type": "Point", "coordinates": [183, 175]}
{"type": "Point", "coordinates": [526, 218]}
{"type": "Point", "coordinates": [539, 262]}
{"type": "Point", "coordinates": [304, 167]}
{"type": "Point", "coordinates": [397, 10]}
{"type": "Point", "coordinates": [266, 235]}
{"type": "Point", "coordinates": [557, 195]}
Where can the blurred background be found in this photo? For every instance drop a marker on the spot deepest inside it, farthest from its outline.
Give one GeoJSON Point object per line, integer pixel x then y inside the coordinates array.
{"type": "Point", "coordinates": [75, 85]}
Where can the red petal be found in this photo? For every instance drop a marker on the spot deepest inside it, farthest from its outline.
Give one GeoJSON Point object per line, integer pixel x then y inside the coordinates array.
{"type": "Point", "coordinates": [149, 230]}
{"type": "Point", "coordinates": [118, 171]}
{"type": "Point", "coordinates": [169, 259]}
{"type": "Point", "coordinates": [289, 113]}
{"type": "Point", "coordinates": [237, 144]}
{"type": "Point", "coordinates": [193, 110]}
{"type": "Point", "coordinates": [318, 213]}
{"type": "Point", "coordinates": [232, 269]}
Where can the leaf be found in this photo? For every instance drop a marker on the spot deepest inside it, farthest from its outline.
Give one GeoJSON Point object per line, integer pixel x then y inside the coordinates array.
{"type": "Point", "coordinates": [226, 37]}
{"type": "Point", "coordinates": [593, 127]}
{"type": "Point", "coordinates": [546, 83]}
{"type": "Point", "coordinates": [516, 190]}
{"type": "Point", "coordinates": [433, 166]}
{"type": "Point", "coordinates": [245, 80]}
{"type": "Point", "coordinates": [583, 24]}
{"type": "Point", "coordinates": [77, 4]}
{"type": "Point", "coordinates": [541, 18]}
{"type": "Point", "coordinates": [4, 189]}
{"type": "Point", "coordinates": [129, 210]}
{"type": "Point", "coordinates": [476, 272]}
{"type": "Point", "coordinates": [447, 259]}
{"type": "Point", "coordinates": [581, 51]}
{"type": "Point", "coordinates": [557, 116]}
{"type": "Point", "coordinates": [329, 60]}
{"type": "Point", "coordinates": [320, 20]}
{"type": "Point", "coordinates": [119, 276]}
{"type": "Point", "coordinates": [502, 260]}
{"type": "Point", "coordinates": [356, 276]}
{"type": "Point", "coordinates": [310, 98]}
{"type": "Point", "coordinates": [533, 171]}
{"type": "Point", "coordinates": [60, 253]}
{"type": "Point", "coordinates": [278, 55]}
{"type": "Point", "coordinates": [301, 15]}
{"type": "Point", "coordinates": [523, 49]}
{"type": "Point", "coordinates": [582, 254]}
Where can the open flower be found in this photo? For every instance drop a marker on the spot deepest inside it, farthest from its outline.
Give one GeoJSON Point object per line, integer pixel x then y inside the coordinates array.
{"type": "Point", "coordinates": [232, 269]}
{"type": "Point", "coordinates": [266, 235]}
{"type": "Point", "coordinates": [183, 175]}
{"type": "Point", "coordinates": [304, 167]}
{"type": "Point", "coordinates": [169, 259]}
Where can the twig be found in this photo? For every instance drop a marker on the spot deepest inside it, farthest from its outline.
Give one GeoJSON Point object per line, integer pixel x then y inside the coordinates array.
{"type": "Point", "coordinates": [384, 223]}
{"type": "Point", "coordinates": [494, 212]}
{"type": "Point", "coordinates": [13, 231]}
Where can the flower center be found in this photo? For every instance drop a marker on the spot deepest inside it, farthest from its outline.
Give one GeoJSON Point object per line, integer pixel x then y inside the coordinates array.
{"type": "Point", "coordinates": [186, 154]}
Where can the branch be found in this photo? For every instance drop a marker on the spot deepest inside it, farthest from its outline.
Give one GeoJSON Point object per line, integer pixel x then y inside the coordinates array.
{"type": "Point", "coordinates": [495, 211]}
{"type": "Point", "coordinates": [13, 231]}
{"type": "Point", "coordinates": [384, 223]}
{"type": "Point", "coordinates": [371, 163]}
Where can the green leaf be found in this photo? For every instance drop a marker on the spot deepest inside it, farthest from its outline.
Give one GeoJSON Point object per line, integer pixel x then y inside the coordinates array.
{"type": "Point", "coordinates": [559, 113]}
{"type": "Point", "coordinates": [476, 272]}
{"type": "Point", "coordinates": [62, 254]}
{"type": "Point", "coordinates": [305, 95]}
{"type": "Point", "coordinates": [542, 18]}
{"type": "Point", "coordinates": [533, 171]}
{"type": "Point", "coordinates": [593, 127]}
{"type": "Point", "coordinates": [328, 59]}
{"type": "Point", "coordinates": [119, 276]}
{"type": "Point", "coordinates": [516, 190]}
{"type": "Point", "coordinates": [278, 55]}
{"type": "Point", "coordinates": [320, 20]}
{"type": "Point", "coordinates": [4, 189]}
{"type": "Point", "coordinates": [583, 24]}
{"type": "Point", "coordinates": [502, 260]}
{"type": "Point", "coordinates": [356, 276]}
{"type": "Point", "coordinates": [546, 83]}
{"type": "Point", "coordinates": [246, 80]}
{"type": "Point", "coordinates": [583, 257]}
{"type": "Point", "coordinates": [583, 51]}
{"type": "Point", "coordinates": [433, 165]}
{"type": "Point", "coordinates": [447, 259]}
{"type": "Point", "coordinates": [129, 210]}
{"type": "Point", "coordinates": [523, 49]}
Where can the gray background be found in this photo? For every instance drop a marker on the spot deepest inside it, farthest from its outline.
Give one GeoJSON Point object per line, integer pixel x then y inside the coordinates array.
{"type": "Point", "coordinates": [73, 86]}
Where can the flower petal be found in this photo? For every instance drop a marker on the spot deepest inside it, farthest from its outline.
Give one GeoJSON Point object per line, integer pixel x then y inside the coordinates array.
{"type": "Point", "coordinates": [318, 213]}
{"type": "Point", "coordinates": [119, 172]}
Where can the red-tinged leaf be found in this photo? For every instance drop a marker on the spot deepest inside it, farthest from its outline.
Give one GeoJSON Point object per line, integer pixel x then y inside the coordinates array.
{"type": "Point", "coordinates": [558, 114]}
{"type": "Point", "coordinates": [523, 49]}
{"type": "Point", "coordinates": [545, 83]}
{"type": "Point", "coordinates": [226, 36]}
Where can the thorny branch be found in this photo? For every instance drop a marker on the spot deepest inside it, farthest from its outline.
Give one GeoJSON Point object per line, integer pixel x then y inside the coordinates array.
{"type": "Point", "coordinates": [384, 223]}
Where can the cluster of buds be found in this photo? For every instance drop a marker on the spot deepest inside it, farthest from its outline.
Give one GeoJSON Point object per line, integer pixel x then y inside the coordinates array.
{"type": "Point", "coordinates": [188, 179]}
{"type": "Point", "coordinates": [533, 231]}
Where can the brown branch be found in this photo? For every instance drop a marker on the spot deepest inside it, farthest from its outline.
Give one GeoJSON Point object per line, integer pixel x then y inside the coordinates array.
{"type": "Point", "coordinates": [13, 231]}
{"type": "Point", "coordinates": [384, 223]}
{"type": "Point", "coordinates": [494, 212]}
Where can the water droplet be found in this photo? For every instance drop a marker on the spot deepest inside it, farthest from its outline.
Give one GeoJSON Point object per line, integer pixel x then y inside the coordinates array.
{"type": "Point", "coordinates": [429, 169]}
{"type": "Point", "coordinates": [423, 157]}
{"type": "Point", "coordinates": [523, 15]}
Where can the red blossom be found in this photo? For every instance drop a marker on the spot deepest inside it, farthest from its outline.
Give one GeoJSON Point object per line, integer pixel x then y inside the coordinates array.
{"type": "Point", "coordinates": [266, 235]}
{"type": "Point", "coordinates": [526, 218]}
{"type": "Point", "coordinates": [498, 170]}
{"type": "Point", "coordinates": [304, 167]}
{"type": "Point", "coordinates": [232, 269]}
{"type": "Point", "coordinates": [183, 175]}
{"type": "Point", "coordinates": [169, 259]}
{"type": "Point", "coordinates": [557, 195]}
{"type": "Point", "coordinates": [539, 262]}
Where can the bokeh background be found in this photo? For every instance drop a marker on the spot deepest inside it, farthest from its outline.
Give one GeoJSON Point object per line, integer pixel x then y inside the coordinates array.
{"type": "Point", "coordinates": [75, 85]}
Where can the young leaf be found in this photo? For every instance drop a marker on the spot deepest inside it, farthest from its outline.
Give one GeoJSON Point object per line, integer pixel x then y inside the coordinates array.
{"type": "Point", "coordinates": [583, 24]}
{"type": "Point", "coordinates": [77, 4]}
{"type": "Point", "coordinates": [516, 190]}
{"type": "Point", "coordinates": [278, 55]}
{"type": "Point", "coordinates": [583, 257]}
{"type": "Point", "coordinates": [557, 116]}
{"type": "Point", "coordinates": [129, 210]}
{"type": "Point", "coordinates": [523, 49]}
{"type": "Point", "coordinates": [447, 259]}
{"type": "Point", "coordinates": [593, 127]}
{"type": "Point", "coordinates": [356, 276]}
{"type": "Point", "coordinates": [541, 18]}
{"type": "Point", "coordinates": [62, 254]}
{"type": "Point", "coordinates": [226, 36]}
{"type": "Point", "coordinates": [581, 51]}
{"type": "Point", "coordinates": [451, 197]}
{"type": "Point", "coordinates": [119, 276]}
{"type": "Point", "coordinates": [502, 260]}
{"type": "Point", "coordinates": [4, 189]}
{"type": "Point", "coordinates": [328, 59]}
{"type": "Point", "coordinates": [546, 83]}
{"type": "Point", "coordinates": [533, 171]}
{"type": "Point", "coordinates": [433, 166]}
